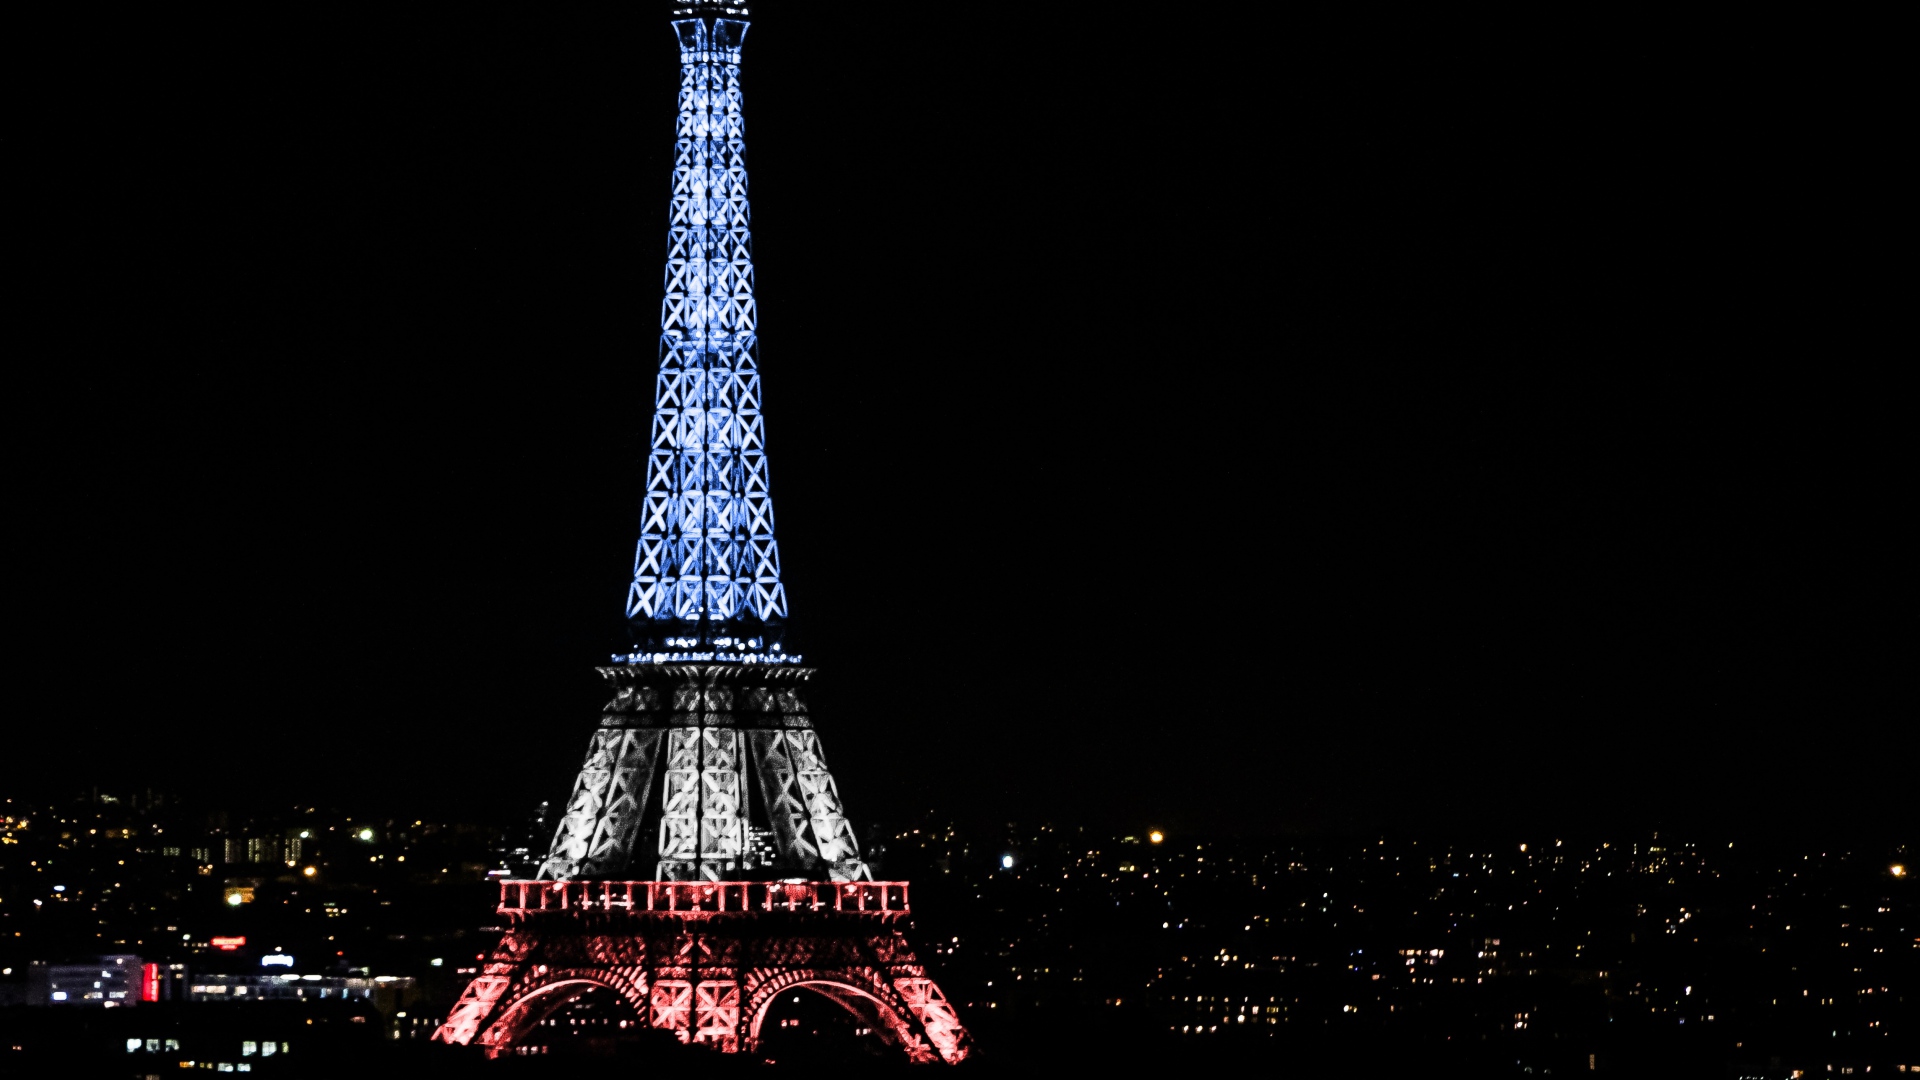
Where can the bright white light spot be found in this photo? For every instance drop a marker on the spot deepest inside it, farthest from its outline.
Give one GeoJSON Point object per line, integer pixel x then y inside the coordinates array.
{"type": "Point", "coordinates": [234, 899]}
{"type": "Point", "coordinates": [366, 834]}
{"type": "Point", "coordinates": [1006, 862]}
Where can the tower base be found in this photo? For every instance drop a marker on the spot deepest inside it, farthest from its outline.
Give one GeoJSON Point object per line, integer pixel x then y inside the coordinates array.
{"type": "Point", "coordinates": [704, 960]}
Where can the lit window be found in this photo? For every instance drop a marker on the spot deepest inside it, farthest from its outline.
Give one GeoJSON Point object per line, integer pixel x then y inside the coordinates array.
{"type": "Point", "coordinates": [248, 1048]}
{"type": "Point", "coordinates": [132, 1045]}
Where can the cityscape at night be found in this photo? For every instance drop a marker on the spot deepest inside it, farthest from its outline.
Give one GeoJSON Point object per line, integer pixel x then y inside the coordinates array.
{"type": "Point", "coordinates": [1306, 545]}
{"type": "Point", "coordinates": [1627, 956]}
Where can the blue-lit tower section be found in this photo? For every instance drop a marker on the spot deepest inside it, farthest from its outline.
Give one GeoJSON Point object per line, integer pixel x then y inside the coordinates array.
{"type": "Point", "coordinates": [706, 574]}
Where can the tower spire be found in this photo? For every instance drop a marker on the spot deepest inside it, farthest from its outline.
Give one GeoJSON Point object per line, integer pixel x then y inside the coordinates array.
{"type": "Point", "coordinates": [706, 573]}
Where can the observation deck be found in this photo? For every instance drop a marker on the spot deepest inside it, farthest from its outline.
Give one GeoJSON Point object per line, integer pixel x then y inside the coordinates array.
{"type": "Point", "coordinates": [882, 900]}
{"type": "Point", "coordinates": [733, 9]}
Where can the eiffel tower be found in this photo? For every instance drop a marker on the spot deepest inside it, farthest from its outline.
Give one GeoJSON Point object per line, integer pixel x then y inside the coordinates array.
{"type": "Point", "coordinates": [707, 752]}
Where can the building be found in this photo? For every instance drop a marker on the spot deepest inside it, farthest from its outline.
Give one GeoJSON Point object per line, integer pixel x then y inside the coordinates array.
{"type": "Point", "coordinates": [291, 987]}
{"type": "Point", "coordinates": [108, 981]}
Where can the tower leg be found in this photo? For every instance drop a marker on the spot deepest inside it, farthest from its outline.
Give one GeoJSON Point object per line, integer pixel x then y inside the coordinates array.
{"type": "Point", "coordinates": [480, 1001]}
{"type": "Point", "coordinates": [931, 1008]}
{"type": "Point", "coordinates": [670, 1007]}
{"type": "Point", "coordinates": [716, 1004]}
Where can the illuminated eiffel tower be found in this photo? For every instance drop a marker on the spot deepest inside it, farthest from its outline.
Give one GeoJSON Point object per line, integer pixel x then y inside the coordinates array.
{"type": "Point", "coordinates": [704, 863]}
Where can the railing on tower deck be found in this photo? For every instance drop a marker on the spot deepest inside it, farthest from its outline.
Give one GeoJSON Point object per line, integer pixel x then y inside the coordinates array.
{"type": "Point", "coordinates": [702, 898]}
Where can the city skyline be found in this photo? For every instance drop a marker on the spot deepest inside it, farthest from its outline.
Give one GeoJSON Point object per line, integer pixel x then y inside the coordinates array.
{"type": "Point", "coordinates": [219, 929]}
{"type": "Point", "coordinates": [1308, 542]}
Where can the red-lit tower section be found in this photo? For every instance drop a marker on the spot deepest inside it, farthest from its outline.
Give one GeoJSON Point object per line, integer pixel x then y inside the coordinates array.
{"type": "Point", "coordinates": [704, 863]}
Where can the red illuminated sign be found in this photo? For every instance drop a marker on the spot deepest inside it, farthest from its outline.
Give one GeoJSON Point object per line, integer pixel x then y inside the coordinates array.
{"type": "Point", "coordinates": [228, 944]}
{"type": "Point", "coordinates": [150, 982]}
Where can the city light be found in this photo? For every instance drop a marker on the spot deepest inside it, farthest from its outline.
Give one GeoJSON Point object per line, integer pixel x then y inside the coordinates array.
{"type": "Point", "coordinates": [310, 871]}
{"type": "Point", "coordinates": [366, 834]}
{"type": "Point", "coordinates": [1307, 892]}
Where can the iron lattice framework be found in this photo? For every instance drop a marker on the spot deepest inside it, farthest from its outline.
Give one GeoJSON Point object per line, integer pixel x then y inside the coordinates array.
{"type": "Point", "coordinates": [704, 960]}
{"type": "Point", "coordinates": [742, 787]}
{"type": "Point", "coordinates": [707, 552]}
{"type": "Point", "coordinates": [707, 751]}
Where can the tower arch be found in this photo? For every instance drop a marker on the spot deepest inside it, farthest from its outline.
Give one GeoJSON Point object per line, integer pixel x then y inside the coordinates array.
{"type": "Point", "coordinates": [540, 996]}
{"type": "Point", "coordinates": [860, 992]}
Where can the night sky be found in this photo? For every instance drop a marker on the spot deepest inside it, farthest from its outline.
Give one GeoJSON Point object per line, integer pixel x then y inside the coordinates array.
{"type": "Point", "coordinates": [1188, 419]}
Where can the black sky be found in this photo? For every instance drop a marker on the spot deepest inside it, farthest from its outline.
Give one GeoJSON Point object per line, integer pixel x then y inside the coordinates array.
{"type": "Point", "coordinates": [1200, 419]}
